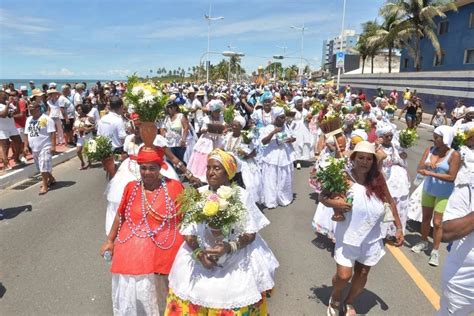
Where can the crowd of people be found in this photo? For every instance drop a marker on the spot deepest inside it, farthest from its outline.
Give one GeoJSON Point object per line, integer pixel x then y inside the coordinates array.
{"type": "Point", "coordinates": [160, 266]}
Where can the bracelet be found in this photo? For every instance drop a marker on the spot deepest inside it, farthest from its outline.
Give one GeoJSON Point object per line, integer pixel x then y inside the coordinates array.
{"type": "Point", "coordinates": [196, 253]}
{"type": "Point", "coordinates": [233, 247]}
{"type": "Point", "coordinates": [188, 174]}
{"type": "Point", "coordinates": [178, 165]}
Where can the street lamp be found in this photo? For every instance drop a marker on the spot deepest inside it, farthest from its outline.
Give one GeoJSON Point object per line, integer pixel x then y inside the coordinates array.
{"type": "Point", "coordinates": [302, 29]}
{"type": "Point", "coordinates": [209, 18]}
{"type": "Point", "coordinates": [342, 35]}
{"type": "Point", "coordinates": [230, 54]}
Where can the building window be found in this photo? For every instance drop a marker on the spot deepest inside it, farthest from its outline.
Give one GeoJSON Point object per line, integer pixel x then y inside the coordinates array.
{"type": "Point", "coordinates": [443, 27]}
{"type": "Point", "coordinates": [438, 61]}
{"type": "Point", "coordinates": [471, 20]}
{"type": "Point", "coordinates": [469, 56]}
{"type": "Point", "coordinates": [405, 63]}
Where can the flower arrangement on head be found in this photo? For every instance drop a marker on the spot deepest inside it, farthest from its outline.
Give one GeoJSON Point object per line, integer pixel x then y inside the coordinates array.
{"type": "Point", "coordinates": [330, 122]}
{"type": "Point", "coordinates": [357, 108]}
{"type": "Point", "coordinates": [98, 148]}
{"type": "Point", "coordinates": [459, 139]}
{"type": "Point", "coordinates": [364, 124]}
{"type": "Point", "coordinates": [220, 210]}
{"type": "Point", "coordinates": [146, 99]}
{"type": "Point", "coordinates": [390, 108]}
{"type": "Point", "coordinates": [407, 137]}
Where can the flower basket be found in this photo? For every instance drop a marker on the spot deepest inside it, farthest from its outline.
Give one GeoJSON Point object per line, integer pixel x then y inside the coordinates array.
{"type": "Point", "coordinates": [109, 165]}
{"type": "Point", "coordinates": [330, 125]}
{"type": "Point", "coordinates": [458, 140]}
{"type": "Point", "coordinates": [148, 132]}
{"type": "Point", "coordinates": [407, 137]}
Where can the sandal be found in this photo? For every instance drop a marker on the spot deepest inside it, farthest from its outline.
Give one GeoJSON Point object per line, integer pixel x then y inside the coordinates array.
{"type": "Point", "coordinates": [333, 308]}
{"type": "Point", "coordinates": [349, 310]}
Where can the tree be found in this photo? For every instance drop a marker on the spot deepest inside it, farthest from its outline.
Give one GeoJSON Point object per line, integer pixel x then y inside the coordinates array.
{"type": "Point", "coordinates": [418, 22]}
{"type": "Point", "coordinates": [291, 72]}
{"type": "Point", "coordinates": [362, 49]}
{"type": "Point", "coordinates": [276, 69]}
{"type": "Point", "coordinates": [370, 29]}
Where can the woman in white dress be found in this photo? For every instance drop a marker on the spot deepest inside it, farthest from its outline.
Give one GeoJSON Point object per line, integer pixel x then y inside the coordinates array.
{"type": "Point", "coordinates": [176, 130]}
{"type": "Point", "coordinates": [245, 153]}
{"type": "Point", "coordinates": [394, 169]}
{"type": "Point", "coordinates": [359, 244]}
{"type": "Point", "coordinates": [277, 160]}
{"type": "Point", "coordinates": [216, 276]}
{"type": "Point", "coordinates": [299, 126]}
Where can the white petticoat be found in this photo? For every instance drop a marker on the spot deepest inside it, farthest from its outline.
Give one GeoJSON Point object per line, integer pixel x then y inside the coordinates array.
{"type": "Point", "coordinates": [322, 222]}
{"type": "Point", "coordinates": [134, 295]}
{"type": "Point", "coordinates": [252, 177]}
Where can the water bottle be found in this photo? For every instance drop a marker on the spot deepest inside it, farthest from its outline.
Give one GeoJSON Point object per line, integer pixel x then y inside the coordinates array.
{"type": "Point", "coordinates": [108, 256]}
{"type": "Point", "coordinates": [419, 178]}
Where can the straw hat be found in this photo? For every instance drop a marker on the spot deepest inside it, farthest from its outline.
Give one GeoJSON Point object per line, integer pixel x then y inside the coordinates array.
{"type": "Point", "coordinates": [36, 93]}
{"type": "Point", "coordinates": [200, 93]}
{"type": "Point", "coordinates": [363, 147]}
{"type": "Point", "coordinates": [52, 91]}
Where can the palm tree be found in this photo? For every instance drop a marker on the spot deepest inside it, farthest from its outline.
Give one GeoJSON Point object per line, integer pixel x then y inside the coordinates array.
{"type": "Point", "coordinates": [362, 49]}
{"type": "Point", "coordinates": [389, 35]}
{"type": "Point", "coordinates": [418, 21]}
{"type": "Point", "coordinates": [369, 29]}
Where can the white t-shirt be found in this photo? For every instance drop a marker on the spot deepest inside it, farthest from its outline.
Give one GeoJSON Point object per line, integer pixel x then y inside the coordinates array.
{"type": "Point", "coordinates": [458, 270]}
{"type": "Point", "coordinates": [38, 132]}
{"type": "Point", "coordinates": [113, 127]}
{"type": "Point", "coordinates": [94, 113]}
{"type": "Point", "coordinates": [6, 123]}
{"type": "Point", "coordinates": [55, 109]}
{"type": "Point", "coordinates": [65, 103]}
{"type": "Point", "coordinates": [459, 111]}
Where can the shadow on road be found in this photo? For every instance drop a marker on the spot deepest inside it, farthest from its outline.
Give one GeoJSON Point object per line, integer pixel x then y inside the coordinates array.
{"type": "Point", "coordinates": [324, 243]}
{"type": "Point", "coordinates": [3, 290]}
{"type": "Point", "coordinates": [363, 304]}
{"type": "Point", "coordinates": [61, 184]}
{"type": "Point", "coordinates": [12, 212]}
{"type": "Point", "coordinates": [314, 196]}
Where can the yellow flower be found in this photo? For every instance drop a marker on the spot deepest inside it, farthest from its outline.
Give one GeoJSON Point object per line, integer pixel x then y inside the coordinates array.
{"type": "Point", "coordinates": [224, 192]}
{"type": "Point", "coordinates": [43, 122]}
{"type": "Point", "coordinates": [210, 208]}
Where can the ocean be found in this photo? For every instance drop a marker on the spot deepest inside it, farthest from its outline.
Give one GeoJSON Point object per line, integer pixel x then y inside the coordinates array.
{"type": "Point", "coordinates": [59, 82]}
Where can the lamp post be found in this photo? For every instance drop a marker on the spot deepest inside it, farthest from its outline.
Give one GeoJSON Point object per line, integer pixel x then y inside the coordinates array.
{"type": "Point", "coordinates": [342, 39]}
{"type": "Point", "coordinates": [230, 54]}
{"type": "Point", "coordinates": [302, 29]}
{"type": "Point", "coordinates": [209, 18]}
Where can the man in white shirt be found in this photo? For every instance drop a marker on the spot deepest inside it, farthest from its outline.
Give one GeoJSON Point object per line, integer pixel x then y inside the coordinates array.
{"type": "Point", "coordinates": [39, 129]}
{"type": "Point", "coordinates": [457, 282]}
{"type": "Point", "coordinates": [113, 126]}
{"type": "Point", "coordinates": [65, 103]}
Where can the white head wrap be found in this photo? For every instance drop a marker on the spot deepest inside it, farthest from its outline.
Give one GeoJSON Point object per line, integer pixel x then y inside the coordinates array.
{"type": "Point", "coordinates": [447, 132]}
{"type": "Point", "coordinates": [241, 120]}
{"type": "Point", "coordinates": [384, 129]}
{"type": "Point", "coordinates": [277, 111]}
{"type": "Point", "coordinates": [361, 133]}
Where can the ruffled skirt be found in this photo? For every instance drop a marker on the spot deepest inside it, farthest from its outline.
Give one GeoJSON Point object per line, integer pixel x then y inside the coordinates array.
{"type": "Point", "coordinates": [322, 222]}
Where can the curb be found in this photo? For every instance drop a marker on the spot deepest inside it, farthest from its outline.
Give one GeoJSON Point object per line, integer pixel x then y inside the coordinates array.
{"type": "Point", "coordinates": [18, 175]}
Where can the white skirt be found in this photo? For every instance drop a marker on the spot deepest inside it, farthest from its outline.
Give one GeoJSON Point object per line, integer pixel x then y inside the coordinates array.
{"type": "Point", "coordinates": [322, 222]}
{"type": "Point", "coordinates": [252, 177]}
{"type": "Point", "coordinates": [277, 185]}
{"type": "Point", "coordinates": [240, 282]}
{"type": "Point", "coordinates": [134, 295]}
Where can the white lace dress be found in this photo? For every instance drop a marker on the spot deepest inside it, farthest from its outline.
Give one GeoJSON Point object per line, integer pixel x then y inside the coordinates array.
{"type": "Point", "coordinates": [243, 277]}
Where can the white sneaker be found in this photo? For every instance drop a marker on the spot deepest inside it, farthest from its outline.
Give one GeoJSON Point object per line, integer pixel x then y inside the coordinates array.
{"type": "Point", "coordinates": [419, 247]}
{"type": "Point", "coordinates": [298, 166]}
{"type": "Point", "coordinates": [23, 159]}
{"type": "Point", "coordinates": [434, 258]}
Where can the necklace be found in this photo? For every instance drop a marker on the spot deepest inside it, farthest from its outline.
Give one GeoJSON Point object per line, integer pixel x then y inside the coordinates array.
{"type": "Point", "coordinates": [143, 229]}
{"type": "Point", "coordinates": [231, 147]}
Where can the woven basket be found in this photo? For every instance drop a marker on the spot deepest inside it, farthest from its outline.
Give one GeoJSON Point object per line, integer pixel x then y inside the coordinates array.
{"type": "Point", "coordinates": [330, 126]}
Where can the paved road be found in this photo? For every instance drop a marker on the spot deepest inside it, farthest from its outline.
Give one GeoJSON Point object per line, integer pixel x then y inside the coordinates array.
{"type": "Point", "coordinates": [49, 260]}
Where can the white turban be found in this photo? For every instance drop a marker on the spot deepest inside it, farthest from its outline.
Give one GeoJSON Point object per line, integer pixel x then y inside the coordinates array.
{"type": "Point", "coordinates": [277, 111]}
{"type": "Point", "coordinates": [361, 133]}
{"type": "Point", "coordinates": [215, 105]}
{"type": "Point", "coordinates": [384, 129]}
{"type": "Point", "coordinates": [241, 120]}
{"type": "Point", "coordinates": [447, 132]}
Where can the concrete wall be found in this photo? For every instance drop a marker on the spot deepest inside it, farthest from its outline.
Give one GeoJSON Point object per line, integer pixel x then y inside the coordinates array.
{"type": "Point", "coordinates": [454, 43]}
{"type": "Point", "coordinates": [432, 87]}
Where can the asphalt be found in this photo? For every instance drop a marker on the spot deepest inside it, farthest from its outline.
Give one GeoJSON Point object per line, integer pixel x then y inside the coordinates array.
{"type": "Point", "coordinates": [50, 262]}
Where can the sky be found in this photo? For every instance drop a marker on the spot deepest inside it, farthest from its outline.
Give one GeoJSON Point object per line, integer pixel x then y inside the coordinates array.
{"type": "Point", "coordinates": [104, 39]}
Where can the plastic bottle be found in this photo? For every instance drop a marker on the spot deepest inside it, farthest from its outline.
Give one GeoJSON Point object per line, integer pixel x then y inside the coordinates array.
{"type": "Point", "coordinates": [418, 179]}
{"type": "Point", "coordinates": [108, 256]}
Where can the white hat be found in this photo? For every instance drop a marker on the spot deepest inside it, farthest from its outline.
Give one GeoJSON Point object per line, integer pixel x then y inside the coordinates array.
{"type": "Point", "coordinates": [363, 147]}
{"type": "Point", "coordinates": [52, 85]}
{"type": "Point", "coordinates": [241, 120]}
{"type": "Point", "coordinates": [23, 88]}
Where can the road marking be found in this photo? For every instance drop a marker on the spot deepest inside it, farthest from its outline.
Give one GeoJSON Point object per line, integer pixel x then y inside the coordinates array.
{"type": "Point", "coordinates": [417, 277]}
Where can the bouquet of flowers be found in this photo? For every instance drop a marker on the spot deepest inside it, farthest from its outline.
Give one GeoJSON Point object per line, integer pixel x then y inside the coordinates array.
{"type": "Point", "coordinates": [316, 107]}
{"type": "Point", "coordinates": [459, 139]}
{"type": "Point", "coordinates": [229, 114]}
{"type": "Point", "coordinates": [219, 210]}
{"type": "Point", "coordinates": [407, 137]}
{"type": "Point", "coordinates": [391, 108]}
{"type": "Point", "coordinates": [146, 99]}
{"type": "Point", "coordinates": [98, 148]}
{"type": "Point", "coordinates": [358, 108]}
{"type": "Point", "coordinates": [363, 124]}
{"type": "Point", "coordinates": [248, 135]}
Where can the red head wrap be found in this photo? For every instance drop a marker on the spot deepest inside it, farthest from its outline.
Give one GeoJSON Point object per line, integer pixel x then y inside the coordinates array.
{"type": "Point", "coordinates": [151, 155]}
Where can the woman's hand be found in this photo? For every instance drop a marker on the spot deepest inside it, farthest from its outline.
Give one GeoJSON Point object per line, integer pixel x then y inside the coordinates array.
{"type": "Point", "coordinates": [399, 238]}
{"type": "Point", "coordinates": [425, 172]}
{"type": "Point", "coordinates": [277, 130]}
{"type": "Point", "coordinates": [340, 202]}
{"type": "Point", "coordinates": [219, 250]}
{"type": "Point", "coordinates": [107, 246]}
{"type": "Point", "coordinates": [205, 260]}
{"type": "Point", "coordinates": [195, 182]}
{"type": "Point", "coordinates": [403, 155]}
{"type": "Point", "coordinates": [182, 143]}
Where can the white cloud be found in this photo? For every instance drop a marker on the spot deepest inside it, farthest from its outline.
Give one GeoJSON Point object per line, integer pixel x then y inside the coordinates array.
{"type": "Point", "coordinates": [23, 24]}
{"type": "Point", "coordinates": [63, 72]}
{"type": "Point", "coordinates": [118, 72]}
{"type": "Point", "coordinates": [39, 51]}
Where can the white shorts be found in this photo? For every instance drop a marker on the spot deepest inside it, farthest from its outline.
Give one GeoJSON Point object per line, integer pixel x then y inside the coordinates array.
{"type": "Point", "coordinates": [6, 133]}
{"type": "Point", "coordinates": [82, 139]}
{"type": "Point", "coordinates": [43, 160]}
{"type": "Point", "coordinates": [367, 254]}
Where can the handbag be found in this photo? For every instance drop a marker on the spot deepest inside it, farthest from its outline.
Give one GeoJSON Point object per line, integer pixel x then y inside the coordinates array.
{"type": "Point", "coordinates": [388, 215]}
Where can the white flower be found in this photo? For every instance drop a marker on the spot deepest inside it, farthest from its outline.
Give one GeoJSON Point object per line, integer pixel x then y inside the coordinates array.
{"type": "Point", "coordinates": [137, 90]}
{"type": "Point", "coordinates": [324, 163]}
{"type": "Point", "coordinates": [92, 148]}
{"type": "Point", "coordinates": [223, 204]}
{"type": "Point", "coordinates": [148, 98]}
{"type": "Point", "coordinates": [225, 192]}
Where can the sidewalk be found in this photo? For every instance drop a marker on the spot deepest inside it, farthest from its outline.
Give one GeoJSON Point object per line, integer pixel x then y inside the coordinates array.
{"type": "Point", "coordinates": [23, 172]}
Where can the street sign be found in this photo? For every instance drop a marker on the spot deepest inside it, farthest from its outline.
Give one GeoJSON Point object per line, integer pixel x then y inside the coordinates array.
{"type": "Point", "coordinates": [340, 60]}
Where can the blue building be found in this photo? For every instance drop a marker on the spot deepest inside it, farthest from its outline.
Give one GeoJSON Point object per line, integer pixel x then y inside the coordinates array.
{"type": "Point", "coordinates": [456, 37]}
